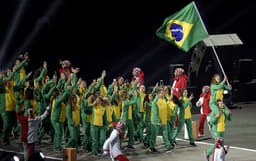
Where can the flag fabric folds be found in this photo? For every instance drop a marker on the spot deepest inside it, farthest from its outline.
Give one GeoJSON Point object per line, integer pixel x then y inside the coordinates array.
{"type": "Point", "coordinates": [184, 28]}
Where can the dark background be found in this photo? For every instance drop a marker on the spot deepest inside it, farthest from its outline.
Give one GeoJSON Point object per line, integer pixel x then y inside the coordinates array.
{"type": "Point", "coordinates": [116, 35]}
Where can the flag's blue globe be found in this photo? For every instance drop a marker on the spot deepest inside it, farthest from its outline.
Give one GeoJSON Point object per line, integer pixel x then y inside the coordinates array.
{"type": "Point", "coordinates": [176, 31]}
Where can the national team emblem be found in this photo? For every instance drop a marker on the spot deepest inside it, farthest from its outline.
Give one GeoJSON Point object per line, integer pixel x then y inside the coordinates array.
{"type": "Point", "coordinates": [176, 31]}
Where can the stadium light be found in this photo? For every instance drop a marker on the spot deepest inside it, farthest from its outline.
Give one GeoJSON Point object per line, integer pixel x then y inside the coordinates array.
{"type": "Point", "coordinates": [41, 154]}
{"type": "Point", "coordinates": [12, 29]}
{"type": "Point", "coordinates": [38, 29]}
{"type": "Point", "coordinates": [15, 158]}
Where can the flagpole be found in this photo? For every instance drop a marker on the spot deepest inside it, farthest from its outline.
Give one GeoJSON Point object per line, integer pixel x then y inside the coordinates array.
{"type": "Point", "coordinates": [212, 44]}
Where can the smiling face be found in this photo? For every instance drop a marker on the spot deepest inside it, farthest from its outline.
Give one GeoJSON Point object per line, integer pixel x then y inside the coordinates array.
{"type": "Point", "coordinates": [120, 80]}
{"type": "Point", "coordinates": [217, 78]}
{"type": "Point", "coordinates": [135, 71]}
{"type": "Point", "coordinates": [150, 97]}
{"type": "Point", "coordinates": [142, 89]}
{"type": "Point", "coordinates": [205, 89]}
{"type": "Point", "coordinates": [161, 93]}
{"type": "Point", "coordinates": [220, 104]}
{"type": "Point", "coordinates": [178, 72]}
{"type": "Point", "coordinates": [166, 90]}
{"type": "Point", "coordinates": [83, 84]}
{"type": "Point", "coordinates": [185, 93]}
{"type": "Point", "coordinates": [66, 64]}
{"type": "Point", "coordinates": [17, 62]}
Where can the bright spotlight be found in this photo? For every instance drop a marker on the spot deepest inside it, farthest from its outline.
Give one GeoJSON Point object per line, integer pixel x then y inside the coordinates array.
{"type": "Point", "coordinates": [38, 156]}
{"type": "Point", "coordinates": [15, 158]}
{"type": "Point", "coordinates": [41, 154]}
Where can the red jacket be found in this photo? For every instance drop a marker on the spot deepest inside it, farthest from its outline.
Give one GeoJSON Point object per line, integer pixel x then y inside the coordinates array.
{"type": "Point", "coordinates": [140, 76]}
{"type": "Point", "coordinates": [24, 126]}
{"type": "Point", "coordinates": [180, 83]}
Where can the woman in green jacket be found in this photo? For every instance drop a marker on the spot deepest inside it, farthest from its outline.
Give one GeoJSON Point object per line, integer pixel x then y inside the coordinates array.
{"type": "Point", "coordinates": [58, 115]}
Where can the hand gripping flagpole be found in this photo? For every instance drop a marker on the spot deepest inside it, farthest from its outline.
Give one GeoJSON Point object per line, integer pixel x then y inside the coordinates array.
{"type": "Point", "coordinates": [215, 53]}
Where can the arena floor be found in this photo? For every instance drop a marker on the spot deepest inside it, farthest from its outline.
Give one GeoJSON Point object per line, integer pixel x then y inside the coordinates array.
{"type": "Point", "coordinates": [240, 135]}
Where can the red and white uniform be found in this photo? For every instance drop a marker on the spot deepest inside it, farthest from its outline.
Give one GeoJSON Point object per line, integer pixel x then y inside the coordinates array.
{"type": "Point", "coordinates": [112, 145]}
{"type": "Point", "coordinates": [65, 70]}
{"type": "Point", "coordinates": [180, 82]}
{"type": "Point", "coordinates": [137, 73]}
{"type": "Point", "coordinates": [29, 130]}
{"type": "Point", "coordinates": [220, 151]}
{"type": "Point", "coordinates": [205, 110]}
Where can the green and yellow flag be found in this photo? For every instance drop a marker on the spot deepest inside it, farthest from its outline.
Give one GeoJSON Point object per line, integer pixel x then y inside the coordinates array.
{"type": "Point", "coordinates": [184, 28]}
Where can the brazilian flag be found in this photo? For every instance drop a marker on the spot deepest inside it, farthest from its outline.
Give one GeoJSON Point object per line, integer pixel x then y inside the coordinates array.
{"type": "Point", "coordinates": [184, 28]}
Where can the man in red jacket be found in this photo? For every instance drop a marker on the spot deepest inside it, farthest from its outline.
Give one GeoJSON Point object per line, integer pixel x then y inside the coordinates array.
{"type": "Point", "coordinates": [203, 103]}
{"type": "Point", "coordinates": [138, 74]}
{"type": "Point", "coordinates": [180, 82]}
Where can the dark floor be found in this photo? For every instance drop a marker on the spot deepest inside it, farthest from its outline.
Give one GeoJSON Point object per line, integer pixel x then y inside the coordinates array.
{"type": "Point", "coordinates": [240, 135]}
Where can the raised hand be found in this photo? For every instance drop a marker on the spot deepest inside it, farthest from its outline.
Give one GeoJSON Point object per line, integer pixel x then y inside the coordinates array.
{"type": "Point", "coordinates": [29, 74]}
{"type": "Point", "coordinates": [60, 62]}
{"type": "Point", "coordinates": [225, 78]}
{"type": "Point", "coordinates": [191, 96]}
{"type": "Point", "coordinates": [45, 65]}
{"type": "Point", "coordinates": [76, 70]}
{"type": "Point", "coordinates": [103, 74]}
{"type": "Point", "coordinates": [79, 81]}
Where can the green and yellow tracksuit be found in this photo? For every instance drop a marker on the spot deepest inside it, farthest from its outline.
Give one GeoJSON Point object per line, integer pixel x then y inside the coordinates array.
{"type": "Point", "coordinates": [31, 103]}
{"type": "Point", "coordinates": [188, 120]}
{"type": "Point", "coordinates": [7, 108]}
{"type": "Point", "coordinates": [86, 117]}
{"type": "Point", "coordinates": [103, 90]}
{"type": "Point", "coordinates": [218, 125]}
{"type": "Point", "coordinates": [73, 118]}
{"type": "Point", "coordinates": [217, 94]}
{"type": "Point", "coordinates": [116, 106]}
{"type": "Point", "coordinates": [110, 118]}
{"type": "Point", "coordinates": [171, 116]}
{"type": "Point", "coordinates": [147, 121]}
{"type": "Point", "coordinates": [159, 120]}
{"type": "Point", "coordinates": [140, 118]}
{"type": "Point", "coordinates": [20, 72]}
{"type": "Point", "coordinates": [181, 116]}
{"type": "Point", "coordinates": [116, 112]}
{"type": "Point", "coordinates": [40, 78]}
{"type": "Point", "coordinates": [98, 128]}
{"type": "Point", "coordinates": [127, 117]}
{"type": "Point", "coordinates": [7, 105]}
{"type": "Point", "coordinates": [47, 91]}
{"type": "Point", "coordinates": [58, 116]}
{"type": "Point", "coordinates": [41, 107]}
